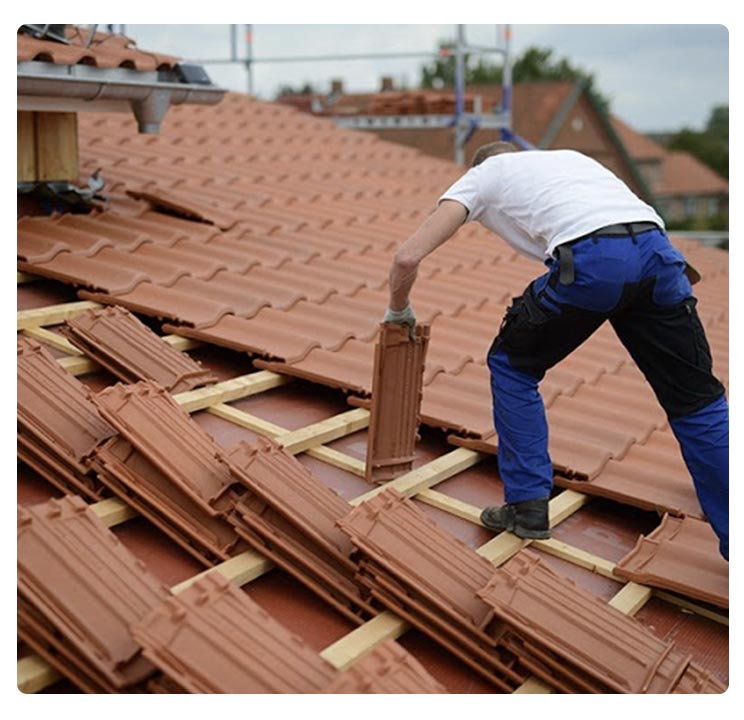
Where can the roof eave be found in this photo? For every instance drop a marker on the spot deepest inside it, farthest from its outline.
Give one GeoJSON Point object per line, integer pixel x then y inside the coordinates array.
{"type": "Point", "coordinates": [47, 86]}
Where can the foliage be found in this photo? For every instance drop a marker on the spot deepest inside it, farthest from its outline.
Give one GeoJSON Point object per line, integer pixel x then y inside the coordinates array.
{"type": "Point", "coordinates": [535, 64]}
{"type": "Point", "coordinates": [306, 89]}
{"type": "Point", "coordinates": [711, 146]}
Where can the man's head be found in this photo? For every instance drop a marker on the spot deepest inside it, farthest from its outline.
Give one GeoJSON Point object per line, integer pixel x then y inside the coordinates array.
{"type": "Point", "coordinates": [491, 149]}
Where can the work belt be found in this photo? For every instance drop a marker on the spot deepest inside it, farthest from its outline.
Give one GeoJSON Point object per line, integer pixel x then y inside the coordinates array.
{"type": "Point", "coordinates": [566, 270]}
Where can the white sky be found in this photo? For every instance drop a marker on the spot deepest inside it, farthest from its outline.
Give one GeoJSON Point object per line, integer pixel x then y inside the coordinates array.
{"type": "Point", "coordinates": [658, 77]}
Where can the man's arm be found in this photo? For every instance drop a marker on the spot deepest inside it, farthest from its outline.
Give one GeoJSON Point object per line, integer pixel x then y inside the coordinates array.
{"type": "Point", "coordinates": [440, 226]}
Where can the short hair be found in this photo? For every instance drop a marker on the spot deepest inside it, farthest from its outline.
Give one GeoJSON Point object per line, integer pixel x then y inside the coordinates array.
{"type": "Point", "coordinates": [493, 148]}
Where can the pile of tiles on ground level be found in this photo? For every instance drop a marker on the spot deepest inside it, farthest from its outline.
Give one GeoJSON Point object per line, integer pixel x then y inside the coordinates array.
{"type": "Point", "coordinates": [217, 503]}
{"type": "Point", "coordinates": [59, 427]}
{"type": "Point", "coordinates": [99, 617]}
{"type": "Point", "coordinates": [505, 622]}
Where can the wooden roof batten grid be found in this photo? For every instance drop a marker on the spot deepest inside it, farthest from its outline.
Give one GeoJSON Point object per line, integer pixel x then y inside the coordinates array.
{"type": "Point", "coordinates": [34, 674]}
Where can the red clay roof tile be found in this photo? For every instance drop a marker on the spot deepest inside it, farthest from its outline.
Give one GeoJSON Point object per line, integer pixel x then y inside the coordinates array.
{"type": "Point", "coordinates": [167, 436]}
{"type": "Point", "coordinates": [114, 338]}
{"type": "Point", "coordinates": [395, 412]}
{"type": "Point", "coordinates": [680, 555]}
{"type": "Point", "coordinates": [386, 669]}
{"type": "Point", "coordinates": [85, 584]}
{"type": "Point", "coordinates": [138, 482]}
{"type": "Point", "coordinates": [212, 638]}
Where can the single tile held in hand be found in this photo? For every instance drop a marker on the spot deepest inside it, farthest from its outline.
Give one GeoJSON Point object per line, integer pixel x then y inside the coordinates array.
{"type": "Point", "coordinates": [396, 401]}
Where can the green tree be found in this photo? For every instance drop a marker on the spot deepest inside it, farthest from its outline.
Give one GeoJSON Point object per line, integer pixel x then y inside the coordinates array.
{"type": "Point", "coordinates": [534, 64]}
{"type": "Point", "coordinates": [711, 146]}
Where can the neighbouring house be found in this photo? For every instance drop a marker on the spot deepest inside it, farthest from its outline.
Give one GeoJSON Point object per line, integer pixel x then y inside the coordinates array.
{"type": "Point", "coordinates": [548, 115]}
{"type": "Point", "coordinates": [686, 192]}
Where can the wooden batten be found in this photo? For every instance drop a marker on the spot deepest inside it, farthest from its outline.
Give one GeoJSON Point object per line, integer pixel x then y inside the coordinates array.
{"type": "Point", "coordinates": [48, 147]}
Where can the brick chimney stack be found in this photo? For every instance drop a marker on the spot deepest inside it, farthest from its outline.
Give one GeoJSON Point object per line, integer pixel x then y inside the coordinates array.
{"type": "Point", "coordinates": [387, 84]}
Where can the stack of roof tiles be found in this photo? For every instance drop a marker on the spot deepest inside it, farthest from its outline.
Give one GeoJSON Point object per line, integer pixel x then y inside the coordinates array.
{"type": "Point", "coordinates": [79, 590]}
{"type": "Point", "coordinates": [59, 427]}
{"type": "Point", "coordinates": [213, 638]}
{"type": "Point", "coordinates": [291, 517]}
{"type": "Point", "coordinates": [119, 342]}
{"type": "Point", "coordinates": [169, 469]}
{"type": "Point", "coordinates": [508, 622]}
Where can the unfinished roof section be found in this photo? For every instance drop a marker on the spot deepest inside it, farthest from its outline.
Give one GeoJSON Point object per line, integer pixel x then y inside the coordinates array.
{"type": "Point", "coordinates": [212, 638]}
{"type": "Point", "coordinates": [118, 341]}
{"type": "Point", "coordinates": [79, 592]}
{"type": "Point", "coordinates": [396, 401]}
{"type": "Point", "coordinates": [680, 555]}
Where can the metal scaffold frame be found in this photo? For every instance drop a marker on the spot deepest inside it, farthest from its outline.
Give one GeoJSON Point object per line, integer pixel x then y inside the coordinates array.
{"type": "Point", "coordinates": [464, 124]}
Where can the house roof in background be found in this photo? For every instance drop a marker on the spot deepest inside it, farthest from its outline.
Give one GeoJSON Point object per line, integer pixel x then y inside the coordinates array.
{"type": "Point", "coordinates": [684, 174]}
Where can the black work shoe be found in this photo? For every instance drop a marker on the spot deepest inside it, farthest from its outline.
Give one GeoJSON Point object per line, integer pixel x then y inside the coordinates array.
{"type": "Point", "coordinates": [528, 519]}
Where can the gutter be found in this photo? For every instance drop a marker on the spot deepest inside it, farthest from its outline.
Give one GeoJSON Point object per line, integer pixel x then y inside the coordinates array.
{"type": "Point", "coordinates": [147, 94]}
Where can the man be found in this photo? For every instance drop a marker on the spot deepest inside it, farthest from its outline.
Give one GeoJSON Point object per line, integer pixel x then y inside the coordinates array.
{"type": "Point", "coordinates": [608, 258]}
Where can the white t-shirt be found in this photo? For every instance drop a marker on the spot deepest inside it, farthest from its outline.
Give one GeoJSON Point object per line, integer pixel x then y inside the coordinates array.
{"type": "Point", "coordinates": [538, 199]}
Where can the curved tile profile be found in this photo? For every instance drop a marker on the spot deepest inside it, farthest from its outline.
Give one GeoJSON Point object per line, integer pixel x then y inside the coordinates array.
{"type": "Point", "coordinates": [680, 555]}
{"type": "Point", "coordinates": [179, 304]}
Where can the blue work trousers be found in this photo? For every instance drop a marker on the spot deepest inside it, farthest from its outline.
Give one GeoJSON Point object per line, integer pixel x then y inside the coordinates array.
{"type": "Point", "coordinates": [638, 283]}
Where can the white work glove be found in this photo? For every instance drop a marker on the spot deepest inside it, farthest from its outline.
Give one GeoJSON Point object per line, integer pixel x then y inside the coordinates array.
{"type": "Point", "coordinates": [403, 317]}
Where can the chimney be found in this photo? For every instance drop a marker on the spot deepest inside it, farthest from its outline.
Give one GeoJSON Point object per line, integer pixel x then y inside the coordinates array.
{"type": "Point", "coordinates": [387, 84]}
{"type": "Point", "coordinates": [337, 87]}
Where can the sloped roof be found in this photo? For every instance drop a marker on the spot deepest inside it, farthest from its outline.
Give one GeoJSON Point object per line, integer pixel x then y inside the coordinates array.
{"type": "Point", "coordinates": [640, 146]}
{"type": "Point", "coordinates": [534, 104]}
{"type": "Point", "coordinates": [684, 174]}
{"type": "Point", "coordinates": [105, 50]}
{"type": "Point", "coordinates": [251, 226]}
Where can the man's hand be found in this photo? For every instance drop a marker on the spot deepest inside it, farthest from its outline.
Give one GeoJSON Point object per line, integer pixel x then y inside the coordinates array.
{"type": "Point", "coordinates": [403, 317]}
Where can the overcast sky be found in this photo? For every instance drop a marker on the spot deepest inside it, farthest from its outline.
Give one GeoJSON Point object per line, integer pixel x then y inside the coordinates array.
{"type": "Point", "coordinates": [658, 77]}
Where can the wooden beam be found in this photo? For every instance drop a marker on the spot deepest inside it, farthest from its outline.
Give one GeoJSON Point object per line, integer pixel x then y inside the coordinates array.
{"type": "Point", "coordinates": [631, 598]}
{"type": "Point", "coordinates": [34, 674]}
{"type": "Point", "coordinates": [461, 509]}
{"type": "Point", "coordinates": [229, 390]}
{"type": "Point", "coordinates": [52, 339]}
{"type": "Point", "coordinates": [693, 607]}
{"type": "Point", "coordinates": [347, 650]}
{"type": "Point", "coordinates": [576, 556]}
{"type": "Point", "coordinates": [240, 569]}
{"type": "Point", "coordinates": [113, 511]}
{"type": "Point", "coordinates": [268, 429]}
{"type": "Point", "coordinates": [533, 686]}
{"type": "Point", "coordinates": [57, 147]}
{"type": "Point", "coordinates": [324, 431]}
{"type": "Point", "coordinates": [26, 146]}
{"type": "Point", "coordinates": [22, 277]}
{"type": "Point", "coordinates": [181, 343]}
{"type": "Point", "coordinates": [428, 475]}
{"type": "Point", "coordinates": [52, 314]}
{"type": "Point", "coordinates": [79, 365]}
